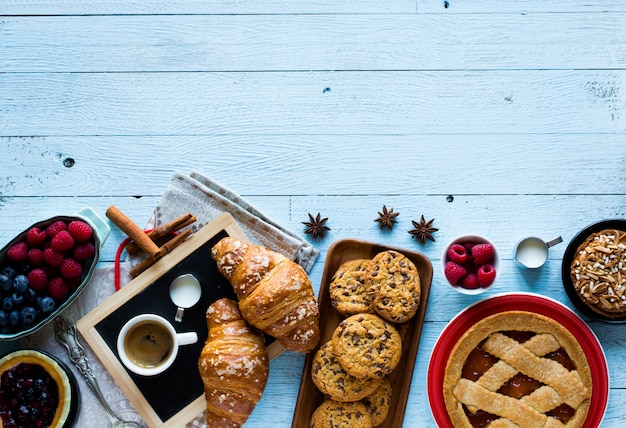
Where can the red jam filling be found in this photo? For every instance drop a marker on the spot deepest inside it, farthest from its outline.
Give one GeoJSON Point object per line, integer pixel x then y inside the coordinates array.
{"type": "Point", "coordinates": [28, 397]}
{"type": "Point", "coordinates": [520, 385]}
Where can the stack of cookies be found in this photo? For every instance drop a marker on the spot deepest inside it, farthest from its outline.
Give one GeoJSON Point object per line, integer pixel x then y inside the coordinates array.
{"type": "Point", "coordinates": [376, 298]}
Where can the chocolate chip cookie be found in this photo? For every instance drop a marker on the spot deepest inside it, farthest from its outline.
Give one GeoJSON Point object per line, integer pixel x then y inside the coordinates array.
{"type": "Point", "coordinates": [331, 378]}
{"type": "Point", "coordinates": [367, 346]}
{"type": "Point", "coordinates": [334, 414]}
{"type": "Point", "coordinates": [348, 292]}
{"type": "Point", "coordinates": [393, 285]}
{"type": "Point", "coordinates": [378, 402]}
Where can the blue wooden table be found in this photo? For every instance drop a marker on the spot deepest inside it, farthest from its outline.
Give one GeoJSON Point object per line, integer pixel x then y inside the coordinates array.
{"type": "Point", "coordinates": [502, 119]}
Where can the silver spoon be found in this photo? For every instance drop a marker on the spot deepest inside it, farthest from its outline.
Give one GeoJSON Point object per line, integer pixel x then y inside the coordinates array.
{"type": "Point", "coordinates": [65, 333]}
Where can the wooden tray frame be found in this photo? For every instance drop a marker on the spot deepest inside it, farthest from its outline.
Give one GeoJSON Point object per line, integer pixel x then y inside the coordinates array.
{"type": "Point", "coordinates": [309, 397]}
{"type": "Point", "coordinates": [88, 324]}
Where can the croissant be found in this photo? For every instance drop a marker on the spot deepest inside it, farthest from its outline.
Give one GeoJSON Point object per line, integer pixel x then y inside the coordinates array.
{"type": "Point", "coordinates": [275, 294]}
{"type": "Point", "coordinates": [233, 365]}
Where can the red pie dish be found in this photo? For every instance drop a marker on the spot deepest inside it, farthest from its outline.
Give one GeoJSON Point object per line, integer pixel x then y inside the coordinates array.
{"type": "Point", "coordinates": [525, 302]}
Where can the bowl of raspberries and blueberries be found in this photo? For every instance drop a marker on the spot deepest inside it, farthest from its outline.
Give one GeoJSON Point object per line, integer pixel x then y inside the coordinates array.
{"type": "Point", "coordinates": [44, 268]}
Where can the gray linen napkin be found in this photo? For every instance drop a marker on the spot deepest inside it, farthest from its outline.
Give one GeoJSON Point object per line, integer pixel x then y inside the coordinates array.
{"type": "Point", "coordinates": [207, 199]}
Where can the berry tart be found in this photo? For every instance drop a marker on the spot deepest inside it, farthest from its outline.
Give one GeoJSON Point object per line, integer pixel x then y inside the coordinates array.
{"type": "Point", "coordinates": [36, 390]}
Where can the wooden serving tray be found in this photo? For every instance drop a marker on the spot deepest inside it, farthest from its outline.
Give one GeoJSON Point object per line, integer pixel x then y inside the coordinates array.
{"type": "Point", "coordinates": [309, 397]}
{"type": "Point", "coordinates": [176, 396]}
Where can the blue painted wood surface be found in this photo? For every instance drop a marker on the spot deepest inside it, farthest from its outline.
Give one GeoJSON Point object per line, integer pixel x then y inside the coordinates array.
{"type": "Point", "coordinates": [504, 120]}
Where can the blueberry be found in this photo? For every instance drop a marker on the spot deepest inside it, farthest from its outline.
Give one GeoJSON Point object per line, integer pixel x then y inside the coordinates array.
{"type": "Point", "coordinates": [14, 318]}
{"type": "Point", "coordinates": [28, 316]}
{"type": "Point", "coordinates": [5, 283]}
{"type": "Point", "coordinates": [17, 298]}
{"type": "Point", "coordinates": [5, 330]}
{"type": "Point", "coordinates": [30, 296]}
{"type": "Point", "coordinates": [9, 271]}
{"type": "Point", "coordinates": [4, 318]}
{"type": "Point", "coordinates": [20, 283]}
{"type": "Point", "coordinates": [47, 304]}
{"type": "Point", "coordinates": [7, 303]}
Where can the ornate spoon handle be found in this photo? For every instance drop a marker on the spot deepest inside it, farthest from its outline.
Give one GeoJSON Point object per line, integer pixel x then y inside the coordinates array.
{"type": "Point", "coordinates": [65, 333]}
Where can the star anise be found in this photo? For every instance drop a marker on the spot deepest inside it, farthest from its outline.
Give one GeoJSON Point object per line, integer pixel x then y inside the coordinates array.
{"type": "Point", "coordinates": [315, 226]}
{"type": "Point", "coordinates": [387, 218]}
{"type": "Point", "coordinates": [423, 230]}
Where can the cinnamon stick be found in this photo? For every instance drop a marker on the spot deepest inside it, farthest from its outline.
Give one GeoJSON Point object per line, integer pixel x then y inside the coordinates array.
{"type": "Point", "coordinates": [164, 231]}
{"type": "Point", "coordinates": [127, 226]}
{"type": "Point", "coordinates": [165, 248]}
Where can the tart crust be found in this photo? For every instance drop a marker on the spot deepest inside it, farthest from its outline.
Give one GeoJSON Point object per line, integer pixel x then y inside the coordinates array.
{"type": "Point", "coordinates": [560, 385]}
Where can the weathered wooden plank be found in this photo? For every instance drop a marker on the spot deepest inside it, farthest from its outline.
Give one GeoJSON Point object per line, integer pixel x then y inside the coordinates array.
{"type": "Point", "coordinates": [114, 7]}
{"type": "Point", "coordinates": [503, 218]}
{"type": "Point", "coordinates": [421, 164]}
{"type": "Point", "coordinates": [123, 43]}
{"type": "Point", "coordinates": [316, 103]}
{"type": "Point", "coordinates": [218, 7]}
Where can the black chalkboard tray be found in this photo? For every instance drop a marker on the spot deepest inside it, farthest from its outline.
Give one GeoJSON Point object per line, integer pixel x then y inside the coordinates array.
{"type": "Point", "coordinates": [176, 396]}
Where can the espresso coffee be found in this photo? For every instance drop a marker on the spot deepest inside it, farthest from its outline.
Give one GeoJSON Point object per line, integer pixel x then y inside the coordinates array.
{"type": "Point", "coordinates": [148, 344]}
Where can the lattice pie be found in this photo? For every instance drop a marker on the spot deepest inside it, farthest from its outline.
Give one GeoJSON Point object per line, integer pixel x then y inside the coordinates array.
{"type": "Point", "coordinates": [517, 369]}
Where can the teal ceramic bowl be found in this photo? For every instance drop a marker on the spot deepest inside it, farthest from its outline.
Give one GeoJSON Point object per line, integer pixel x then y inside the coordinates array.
{"type": "Point", "coordinates": [100, 233]}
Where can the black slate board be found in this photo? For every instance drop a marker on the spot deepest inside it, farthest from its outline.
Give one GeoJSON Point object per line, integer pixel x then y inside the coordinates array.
{"type": "Point", "coordinates": [170, 391]}
{"type": "Point", "coordinates": [176, 396]}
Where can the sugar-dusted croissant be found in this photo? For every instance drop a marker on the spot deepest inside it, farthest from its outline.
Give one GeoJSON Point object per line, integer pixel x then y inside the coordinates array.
{"type": "Point", "coordinates": [233, 364]}
{"type": "Point", "coordinates": [275, 294]}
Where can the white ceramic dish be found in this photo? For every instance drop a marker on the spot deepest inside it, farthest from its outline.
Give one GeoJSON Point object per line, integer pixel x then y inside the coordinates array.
{"type": "Point", "coordinates": [474, 239]}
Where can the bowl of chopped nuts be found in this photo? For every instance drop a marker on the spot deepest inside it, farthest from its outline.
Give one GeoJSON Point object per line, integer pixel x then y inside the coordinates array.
{"type": "Point", "coordinates": [594, 271]}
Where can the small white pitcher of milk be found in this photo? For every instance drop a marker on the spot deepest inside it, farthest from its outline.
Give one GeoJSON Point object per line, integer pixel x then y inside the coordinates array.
{"type": "Point", "coordinates": [185, 292]}
{"type": "Point", "coordinates": [532, 252]}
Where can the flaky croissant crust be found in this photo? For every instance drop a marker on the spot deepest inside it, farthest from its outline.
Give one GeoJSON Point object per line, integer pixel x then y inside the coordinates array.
{"type": "Point", "coordinates": [275, 294]}
{"type": "Point", "coordinates": [233, 365]}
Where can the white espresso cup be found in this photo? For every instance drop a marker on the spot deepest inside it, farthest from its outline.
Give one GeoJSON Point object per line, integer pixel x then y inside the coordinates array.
{"type": "Point", "coordinates": [148, 344]}
{"type": "Point", "coordinates": [532, 252]}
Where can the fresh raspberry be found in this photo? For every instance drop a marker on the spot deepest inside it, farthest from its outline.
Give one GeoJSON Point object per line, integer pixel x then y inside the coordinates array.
{"type": "Point", "coordinates": [35, 257]}
{"type": "Point", "coordinates": [53, 257]}
{"type": "Point", "coordinates": [38, 279]}
{"type": "Point", "coordinates": [55, 228]}
{"type": "Point", "coordinates": [50, 270]}
{"type": "Point", "coordinates": [84, 251]}
{"type": "Point", "coordinates": [482, 253]}
{"type": "Point", "coordinates": [57, 288]}
{"type": "Point", "coordinates": [79, 230]}
{"type": "Point", "coordinates": [486, 275]}
{"type": "Point", "coordinates": [457, 254]}
{"type": "Point", "coordinates": [454, 272]}
{"type": "Point", "coordinates": [73, 283]}
{"type": "Point", "coordinates": [71, 268]}
{"type": "Point", "coordinates": [35, 237]}
{"type": "Point", "coordinates": [470, 281]}
{"type": "Point", "coordinates": [62, 241]}
{"type": "Point", "coordinates": [18, 252]}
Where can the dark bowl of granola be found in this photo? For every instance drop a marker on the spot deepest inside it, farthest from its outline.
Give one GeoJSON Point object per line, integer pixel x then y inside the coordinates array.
{"type": "Point", "coordinates": [594, 271]}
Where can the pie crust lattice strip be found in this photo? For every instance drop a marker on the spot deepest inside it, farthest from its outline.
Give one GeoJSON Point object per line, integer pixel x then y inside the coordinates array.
{"type": "Point", "coordinates": [517, 369]}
